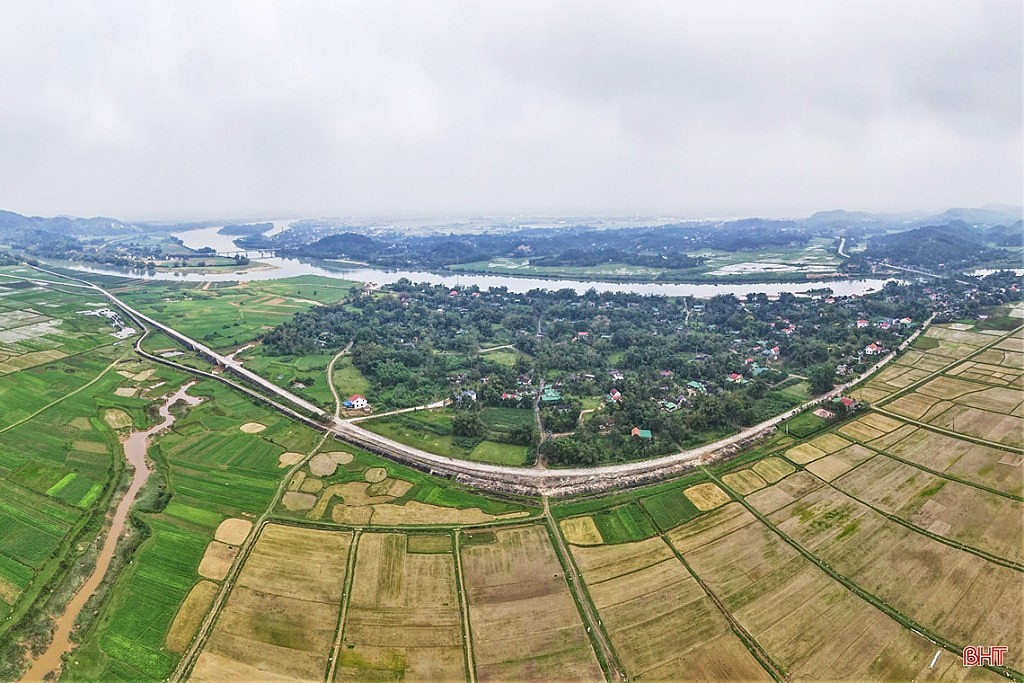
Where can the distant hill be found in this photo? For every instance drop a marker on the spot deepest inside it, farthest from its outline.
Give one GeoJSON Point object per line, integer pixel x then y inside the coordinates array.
{"type": "Point", "coordinates": [1007, 235]}
{"type": "Point", "coordinates": [990, 215]}
{"type": "Point", "coordinates": [12, 223]}
{"type": "Point", "coordinates": [955, 244]}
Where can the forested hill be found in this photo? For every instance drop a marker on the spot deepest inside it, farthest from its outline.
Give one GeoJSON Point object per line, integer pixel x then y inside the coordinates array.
{"type": "Point", "coordinates": [951, 246]}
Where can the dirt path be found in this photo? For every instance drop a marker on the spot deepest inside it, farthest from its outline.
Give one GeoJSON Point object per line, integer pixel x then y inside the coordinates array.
{"type": "Point", "coordinates": [429, 406]}
{"type": "Point", "coordinates": [330, 379]}
{"type": "Point", "coordinates": [135, 446]}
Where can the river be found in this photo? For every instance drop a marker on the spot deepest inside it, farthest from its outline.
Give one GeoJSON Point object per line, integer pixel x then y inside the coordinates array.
{"type": "Point", "coordinates": [279, 268]}
{"type": "Point", "coordinates": [135, 446]}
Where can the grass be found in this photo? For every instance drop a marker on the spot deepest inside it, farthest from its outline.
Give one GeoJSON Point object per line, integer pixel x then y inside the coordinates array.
{"type": "Point", "coordinates": [624, 523]}
{"type": "Point", "coordinates": [669, 509]}
{"type": "Point", "coordinates": [804, 424]}
{"type": "Point", "coordinates": [925, 343]}
{"type": "Point", "coordinates": [430, 430]}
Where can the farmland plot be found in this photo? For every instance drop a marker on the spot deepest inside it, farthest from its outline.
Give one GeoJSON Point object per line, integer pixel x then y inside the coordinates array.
{"type": "Point", "coordinates": [524, 622]}
{"type": "Point", "coordinates": [403, 618]}
{"type": "Point", "coordinates": [977, 518]}
{"type": "Point", "coordinates": [660, 621]}
{"type": "Point", "coordinates": [807, 623]}
{"type": "Point", "coordinates": [958, 595]}
{"type": "Point", "coordinates": [279, 621]}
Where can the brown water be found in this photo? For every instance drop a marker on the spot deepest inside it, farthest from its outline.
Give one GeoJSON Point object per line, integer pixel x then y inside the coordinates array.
{"type": "Point", "coordinates": [135, 446]}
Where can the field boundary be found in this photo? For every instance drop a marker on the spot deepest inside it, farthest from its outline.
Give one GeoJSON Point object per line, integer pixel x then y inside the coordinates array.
{"type": "Point", "coordinates": [346, 596]}
{"type": "Point", "coordinates": [467, 630]}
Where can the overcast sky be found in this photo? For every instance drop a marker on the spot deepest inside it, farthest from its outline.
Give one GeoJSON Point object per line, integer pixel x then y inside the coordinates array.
{"type": "Point", "coordinates": [185, 109]}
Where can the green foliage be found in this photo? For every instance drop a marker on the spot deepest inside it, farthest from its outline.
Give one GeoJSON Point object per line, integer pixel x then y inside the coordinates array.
{"type": "Point", "coordinates": [624, 523]}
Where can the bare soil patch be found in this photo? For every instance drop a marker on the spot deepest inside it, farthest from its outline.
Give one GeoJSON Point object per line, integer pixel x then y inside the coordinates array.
{"type": "Point", "coordinates": [375, 474]}
{"type": "Point", "coordinates": [126, 392]}
{"type": "Point", "coordinates": [233, 531]}
{"type": "Point", "coordinates": [217, 560]}
{"type": "Point", "coordinates": [253, 427]}
{"type": "Point", "coordinates": [312, 485]}
{"type": "Point", "coordinates": [773, 469]}
{"type": "Point", "coordinates": [829, 442]}
{"type": "Point", "coordinates": [322, 465]}
{"type": "Point", "coordinates": [706, 496]}
{"type": "Point", "coordinates": [288, 459]}
{"type": "Point", "coordinates": [298, 501]}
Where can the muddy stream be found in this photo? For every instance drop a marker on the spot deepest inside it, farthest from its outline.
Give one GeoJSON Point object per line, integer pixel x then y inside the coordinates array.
{"type": "Point", "coordinates": [135, 447]}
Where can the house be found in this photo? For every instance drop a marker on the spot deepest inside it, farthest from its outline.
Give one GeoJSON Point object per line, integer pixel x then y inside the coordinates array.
{"type": "Point", "coordinates": [906, 321]}
{"type": "Point", "coordinates": [735, 378]}
{"type": "Point", "coordinates": [824, 414]}
{"type": "Point", "coordinates": [668, 406]}
{"type": "Point", "coordinates": [582, 335]}
{"type": "Point", "coordinates": [356, 402]}
{"type": "Point", "coordinates": [845, 402]}
{"type": "Point", "coordinates": [873, 349]}
{"type": "Point", "coordinates": [862, 323]}
{"type": "Point", "coordinates": [614, 395]}
{"type": "Point", "coordinates": [467, 395]}
{"type": "Point", "coordinates": [696, 387]}
{"type": "Point", "coordinates": [550, 396]}
{"type": "Point", "coordinates": [642, 433]}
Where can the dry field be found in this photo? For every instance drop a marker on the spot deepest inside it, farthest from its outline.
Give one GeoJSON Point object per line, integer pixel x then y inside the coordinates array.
{"type": "Point", "coordinates": [581, 531]}
{"type": "Point", "coordinates": [840, 462]}
{"type": "Point", "coordinates": [190, 615]}
{"type": "Point", "coordinates": [524, 621]}
{"type": "Point", "coordinates": [982, 424]}
{"type": "Point", "coordinates": [403, 619]}
{"type": "Point", "coordinates": [974, 517]}
{"type": "Point", "coordinates": [279, 621]}
{"type": "Point", "coordinates": [792, 488]}
{"type": "Point", "coordinates": [661, 623]}
{"type": "Point", "coordinates": [706, 496]}
{"type": "Point", "coordinates": [811, 626]}
{"type": "Point", "coordinates": [973, 462]}
{"type": "Point", "coordinates": [744, 481]}
{"type": "Point", "coordinates": [960, 596]}
{"type": "Point", "coordinates": [773, 469]}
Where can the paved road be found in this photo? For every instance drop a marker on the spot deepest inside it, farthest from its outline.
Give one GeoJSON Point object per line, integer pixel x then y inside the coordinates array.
{"type": "Point", "coordinates": [521, 480]}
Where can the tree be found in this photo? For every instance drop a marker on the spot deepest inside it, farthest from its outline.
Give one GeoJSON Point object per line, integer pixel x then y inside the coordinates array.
{"type": "Point", "coordinates": [822, 378]}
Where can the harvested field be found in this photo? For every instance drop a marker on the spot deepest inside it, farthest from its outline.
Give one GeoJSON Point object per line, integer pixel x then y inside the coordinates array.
{"type": "Point", "coordinates": [279, 621]}
{"type": "Point", "coordinates": [311, 485]}
{"type": "Point", "coordinates": [580, 531]}
{"type": "Point", "coordinates": [793, 487]}
{"type": "Point", "coordinates": [948, 388]}
{"type": "Point", "coordinates": [963, 459]}
{"type": "Point", "coordinates": [829, 442]}
{"type": "Point", "coordinates": [403, 619]}
{"type": "Point", "coordinates": [298, 501]}
{"type": "Point", "coordinates": [803, 454]}
{"type": "Point", "coordinates": [880, 422]}
{"type": "Point", "coordinates": [994, 399]}
{"type": "Point", "coordinates": [116, 418]}
{"type": "Point", "coordinates": [415, 512]}
{"type": "Point", "coordinates": [340, 457]}
{"type": "Point", "coordinates": [288, 459]}
{"type": "Point", "coordinates": [960, 596]}
{"type": "Point", "coordinates": [840, 462]}
{"type": "Point", "coordinates": [252, 427]}
{"type": "Point", "coordinates": [744, 481]}
{"type": "Point", "coordinates": [869, 393]}
{"type": "Point", "coordinates": [773, 469]}
{"type": "Point", "coordinates": [375, 475]}
{"type": "Point", "coordinates": [233, 531]}
{"type": "Point", "coordinates": [295, 483]}
{"type": "Point", "coordinates": [524, 620]}
{"type": "Point", "coordinates": [706, 496]}
{"type": "Point", "coordinates": [190, 615]}
{"type": "Point", "coordinates": [982, 424]}
{"type": "Point", "coordinates": [858, 431]}
{"type": "Point", "coordinates": [217, 560]}
{"type": "Point", "coordinates": [322, 465]}
{"type": "Point", "coordinates": [429, 543]}
{"type": "Point", "coordinates": [804, 620]}
{"type": "Point", "coordinates": [976, 518]}
{"type": "Point", "coordinates": [912, 405]}
{"type": "Point", "coordinates": [125, 392]}
{"type": "Point", "coordinates": [661, 623]}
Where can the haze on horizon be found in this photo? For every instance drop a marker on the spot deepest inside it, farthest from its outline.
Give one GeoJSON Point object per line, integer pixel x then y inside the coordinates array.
{"type": "Point", "coordinates": [189, 109]}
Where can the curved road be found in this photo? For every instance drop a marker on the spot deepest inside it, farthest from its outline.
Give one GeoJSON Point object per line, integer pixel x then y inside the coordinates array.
{"type": "Point", "coordinates": [516, 480]}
